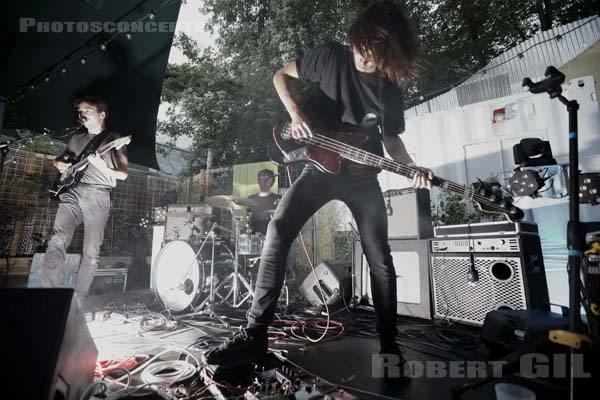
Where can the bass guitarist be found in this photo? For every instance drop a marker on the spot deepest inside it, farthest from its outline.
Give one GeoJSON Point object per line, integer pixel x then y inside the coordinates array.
{"type": "Point", "coordinates": [358, 85]}
{"type": "Point", "coordinates": [89, 200]}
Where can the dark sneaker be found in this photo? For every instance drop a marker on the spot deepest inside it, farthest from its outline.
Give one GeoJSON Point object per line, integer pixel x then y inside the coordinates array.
{"type": "Point", "coordinates": [391, 356]}
{"type": "Point", "coordinates": [245, 346]}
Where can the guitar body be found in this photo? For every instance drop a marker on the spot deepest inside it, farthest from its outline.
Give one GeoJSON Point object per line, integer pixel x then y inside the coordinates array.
{"type": "Point", "coordinates": [74, 173]}
{"type": "Point", "coordinates": [63, 183]}
{"type": "Point", "coordinates": [290, 151]}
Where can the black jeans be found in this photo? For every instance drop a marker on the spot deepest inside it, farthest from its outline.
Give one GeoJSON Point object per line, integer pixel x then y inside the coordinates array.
{"type": "Point", "coordinates": [359, 189]}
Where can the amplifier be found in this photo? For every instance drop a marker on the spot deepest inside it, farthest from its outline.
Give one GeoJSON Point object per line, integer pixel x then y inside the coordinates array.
{"type": "Point", "coordinates": [411, 261]}
{"type": "Point", "coordinates": [511, 277]}
{"type": "Point", "coordinates": [409, 213]}
{"type": "Point", "coordinates": [486, 229]}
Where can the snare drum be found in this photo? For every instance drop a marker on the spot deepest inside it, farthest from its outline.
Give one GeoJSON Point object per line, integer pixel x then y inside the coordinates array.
{"type": "Point", "coordinates": [251, 244]}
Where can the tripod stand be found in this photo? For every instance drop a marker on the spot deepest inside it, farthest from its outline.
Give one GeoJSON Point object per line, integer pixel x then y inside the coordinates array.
{"type": "Point", "coordinates": [210, 300]}
{"type": "Point", "coordinates": [236, 277]}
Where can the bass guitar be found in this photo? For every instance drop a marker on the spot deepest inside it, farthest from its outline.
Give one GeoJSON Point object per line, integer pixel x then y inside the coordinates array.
{"type": "Point", "coordinates": [327, 148]}
{"type": "Point", "coordinates": [72, 175]}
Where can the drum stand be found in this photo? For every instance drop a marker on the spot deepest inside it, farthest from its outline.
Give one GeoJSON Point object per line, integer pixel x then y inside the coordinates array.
{"type": "Point", "coordinates": [210, 300]}
{"type": "Point", "coordinates": [236, 277]}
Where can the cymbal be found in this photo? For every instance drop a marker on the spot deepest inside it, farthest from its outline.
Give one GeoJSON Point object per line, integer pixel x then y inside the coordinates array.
{"type": "Point", "coordinates": [188, 214]}
{"type": "Point", "coordinates": [228, 201]}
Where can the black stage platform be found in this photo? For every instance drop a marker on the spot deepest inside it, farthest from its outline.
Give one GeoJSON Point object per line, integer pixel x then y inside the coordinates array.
{"type": "Point", "coordinates": [122, 325]}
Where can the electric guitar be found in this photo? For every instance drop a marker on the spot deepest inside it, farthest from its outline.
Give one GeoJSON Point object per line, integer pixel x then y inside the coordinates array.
{"type": "Point", "coordinates": [72, 175]}
{"type": "Point", "coordinates": [327, 148]}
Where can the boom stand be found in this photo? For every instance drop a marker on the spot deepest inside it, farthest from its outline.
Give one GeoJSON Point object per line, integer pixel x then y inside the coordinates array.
{"type": "Point", "coordinates": [236, 277]}
{"type": "Point", "coordinates": [575, 232]}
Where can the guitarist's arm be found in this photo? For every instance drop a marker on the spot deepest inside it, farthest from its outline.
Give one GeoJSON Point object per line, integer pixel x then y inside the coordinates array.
{"type": "Point", "coordinates": [120, 172]}
{"type": "Point", "coordinates": [60, 162]}
{"type": "Point", "coordinates": [396, 149]}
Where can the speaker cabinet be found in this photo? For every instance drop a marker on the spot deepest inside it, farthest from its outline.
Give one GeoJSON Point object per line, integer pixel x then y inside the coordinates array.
{"type": "Point", "coordinates": [509, 280]}
{"type": "Point", "coordinates": [47, 350]}
{"type": "Point", "coordinates": [333, 279]}
{"type": "Point", "coordinates": [409, 213]}
{"type": "Point", "coordinates": [411, 261]}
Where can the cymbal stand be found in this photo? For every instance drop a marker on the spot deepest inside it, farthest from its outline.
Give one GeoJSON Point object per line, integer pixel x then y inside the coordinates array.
{"type": "Point", "coordinates": [236, 277]}
{"type": "Point", "coordinates": [210, 300]}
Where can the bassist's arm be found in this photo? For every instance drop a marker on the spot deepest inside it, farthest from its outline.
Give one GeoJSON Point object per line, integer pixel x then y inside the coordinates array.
{"type": "Point", "coordinates": [300, 123]}
{"type": "Point", "coordinates": [396, 149]}
{"type": "Point", "coordinates": [60, 161]}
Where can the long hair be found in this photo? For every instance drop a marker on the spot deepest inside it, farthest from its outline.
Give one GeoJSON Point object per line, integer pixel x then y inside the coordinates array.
{"type": "Point", "coordinates": [385, 33]}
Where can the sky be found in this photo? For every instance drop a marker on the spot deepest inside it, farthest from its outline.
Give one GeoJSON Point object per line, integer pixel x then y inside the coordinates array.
{"type": "Point", "coordinates": [192, 22]}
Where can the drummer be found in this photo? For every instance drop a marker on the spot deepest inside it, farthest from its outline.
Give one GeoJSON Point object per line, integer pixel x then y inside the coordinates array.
{"type": "Point", "coordinates": [265, 201]}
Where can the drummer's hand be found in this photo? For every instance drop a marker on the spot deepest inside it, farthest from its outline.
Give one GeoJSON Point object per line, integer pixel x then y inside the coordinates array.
{"type": "Point", "coordinates": [422, 179]}
{"type": "Point", "coordinates": [300, 125]}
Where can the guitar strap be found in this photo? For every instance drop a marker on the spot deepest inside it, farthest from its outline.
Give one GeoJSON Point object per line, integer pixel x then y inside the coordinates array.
{"type": "Point", "coordinates": [92, 146]}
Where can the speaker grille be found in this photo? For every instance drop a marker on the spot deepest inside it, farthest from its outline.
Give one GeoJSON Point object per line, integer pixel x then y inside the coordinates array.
{"type": "Point", "coordinates": [500, 286]}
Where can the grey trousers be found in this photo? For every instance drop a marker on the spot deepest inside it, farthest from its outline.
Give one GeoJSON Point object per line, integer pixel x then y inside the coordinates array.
{"type": "Point", "coordinates": [88, 204]}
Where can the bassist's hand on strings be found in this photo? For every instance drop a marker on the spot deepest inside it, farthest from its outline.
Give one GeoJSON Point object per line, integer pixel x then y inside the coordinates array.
{"type": "Point", "coordinates": [61, 166]}
{"type": "Point", "coordinates": [300, 125]}
{"type": "Point", "coordinates": [422, 179]}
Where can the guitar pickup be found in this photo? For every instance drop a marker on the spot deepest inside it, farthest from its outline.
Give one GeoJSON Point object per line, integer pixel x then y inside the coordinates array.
{"type": "Point", "coordinates": [300, 154]}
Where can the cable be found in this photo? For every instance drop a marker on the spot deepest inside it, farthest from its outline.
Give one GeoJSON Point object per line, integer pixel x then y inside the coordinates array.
{"type": "Point", "coordinates": [169, 372]}
{"type": "Point", "coordinates": [317, 281]}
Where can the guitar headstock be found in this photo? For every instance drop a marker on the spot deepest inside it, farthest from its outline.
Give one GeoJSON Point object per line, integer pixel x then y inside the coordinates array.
{"type": "Point", "coordinates": [490, 197]}
{"type": "Point", "coordinates": [120, 142]}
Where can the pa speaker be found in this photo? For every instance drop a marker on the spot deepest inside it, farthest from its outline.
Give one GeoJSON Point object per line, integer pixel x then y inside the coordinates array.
{"type": "Point", "coordinates": [47, 350]}
{"type": "Point", "coordinates": [333, 278]}
{"type": "Point", "coordinates": [411, 262]}
{"type": "Point", "coordinates": [507, 280]}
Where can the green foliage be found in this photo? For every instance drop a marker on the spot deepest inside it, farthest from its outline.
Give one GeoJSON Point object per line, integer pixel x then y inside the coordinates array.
{"type": "Point", "coordinates": [453, 209]}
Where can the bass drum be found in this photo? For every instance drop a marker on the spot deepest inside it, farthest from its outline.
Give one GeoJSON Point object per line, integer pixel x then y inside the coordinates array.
{"type": "Point", "coordinates": [182, 280]}
{"type": "Point", "coordinates": [176, 275]}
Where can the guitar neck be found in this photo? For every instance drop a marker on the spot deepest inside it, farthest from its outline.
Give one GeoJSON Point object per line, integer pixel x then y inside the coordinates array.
{"type": "Point", "coordinates": [366, 158]}
{"type": "Point", "coordinates": [83, 163]}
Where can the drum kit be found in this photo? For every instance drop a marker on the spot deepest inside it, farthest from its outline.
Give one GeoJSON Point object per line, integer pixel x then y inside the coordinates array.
{"type": "Point", "coordinates": [195, 268]}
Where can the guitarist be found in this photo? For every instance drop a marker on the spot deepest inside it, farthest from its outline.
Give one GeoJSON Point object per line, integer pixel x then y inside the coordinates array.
{"type": "Point", "coordinates": [89, 200]}
{"type": "Point", "coordinates": [359, 85]}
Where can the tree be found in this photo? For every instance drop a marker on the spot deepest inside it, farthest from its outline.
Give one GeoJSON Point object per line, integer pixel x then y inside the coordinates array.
{"type": "Point", "coordinates": [225, 98]}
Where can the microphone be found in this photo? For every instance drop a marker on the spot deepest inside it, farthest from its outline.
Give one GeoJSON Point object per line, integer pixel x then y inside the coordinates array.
{"type": "Point", "coordinates": [473, 274]}
{"type": "Point", "coordinates": [388, 207]}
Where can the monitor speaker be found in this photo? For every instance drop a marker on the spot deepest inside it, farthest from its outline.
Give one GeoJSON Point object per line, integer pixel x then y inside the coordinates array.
{"type": "Point", "coordinates": [47, 350]}
{"type": "Point", "coordinates": [411, 261]}
{"type": "Point", "coordinates": [333, 278]}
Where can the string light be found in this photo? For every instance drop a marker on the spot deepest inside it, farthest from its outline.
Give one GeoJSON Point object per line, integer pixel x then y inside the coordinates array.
{"type": "Point", "coordinates": [92, 46]}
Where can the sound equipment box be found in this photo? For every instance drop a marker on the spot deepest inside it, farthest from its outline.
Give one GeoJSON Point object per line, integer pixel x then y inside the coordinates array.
{"type": "Point", "coordinates": [409, 213]}
{"type": "Point", "coordinates": [47, 350]}
{"type": "Point", "coordinates": [505, 331]}
{"type": "Point", "coordinates": [112, 278]}
{"type": "Point", "coordinates": [333, 278]}
{"type": "Point", "coordinates": [510, 276]}
{"type": "Point", "coordinates": [411, 261]}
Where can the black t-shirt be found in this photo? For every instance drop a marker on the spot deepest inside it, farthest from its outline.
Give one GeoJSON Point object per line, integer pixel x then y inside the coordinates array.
{"type": "Point", "coordinates": [259, 220]}
{"type": "Point", "coordinates": [345, 97]}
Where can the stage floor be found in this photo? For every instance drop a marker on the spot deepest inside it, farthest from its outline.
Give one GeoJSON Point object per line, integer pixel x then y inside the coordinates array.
{"type": "Point", "coordinates": [123, 325]}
